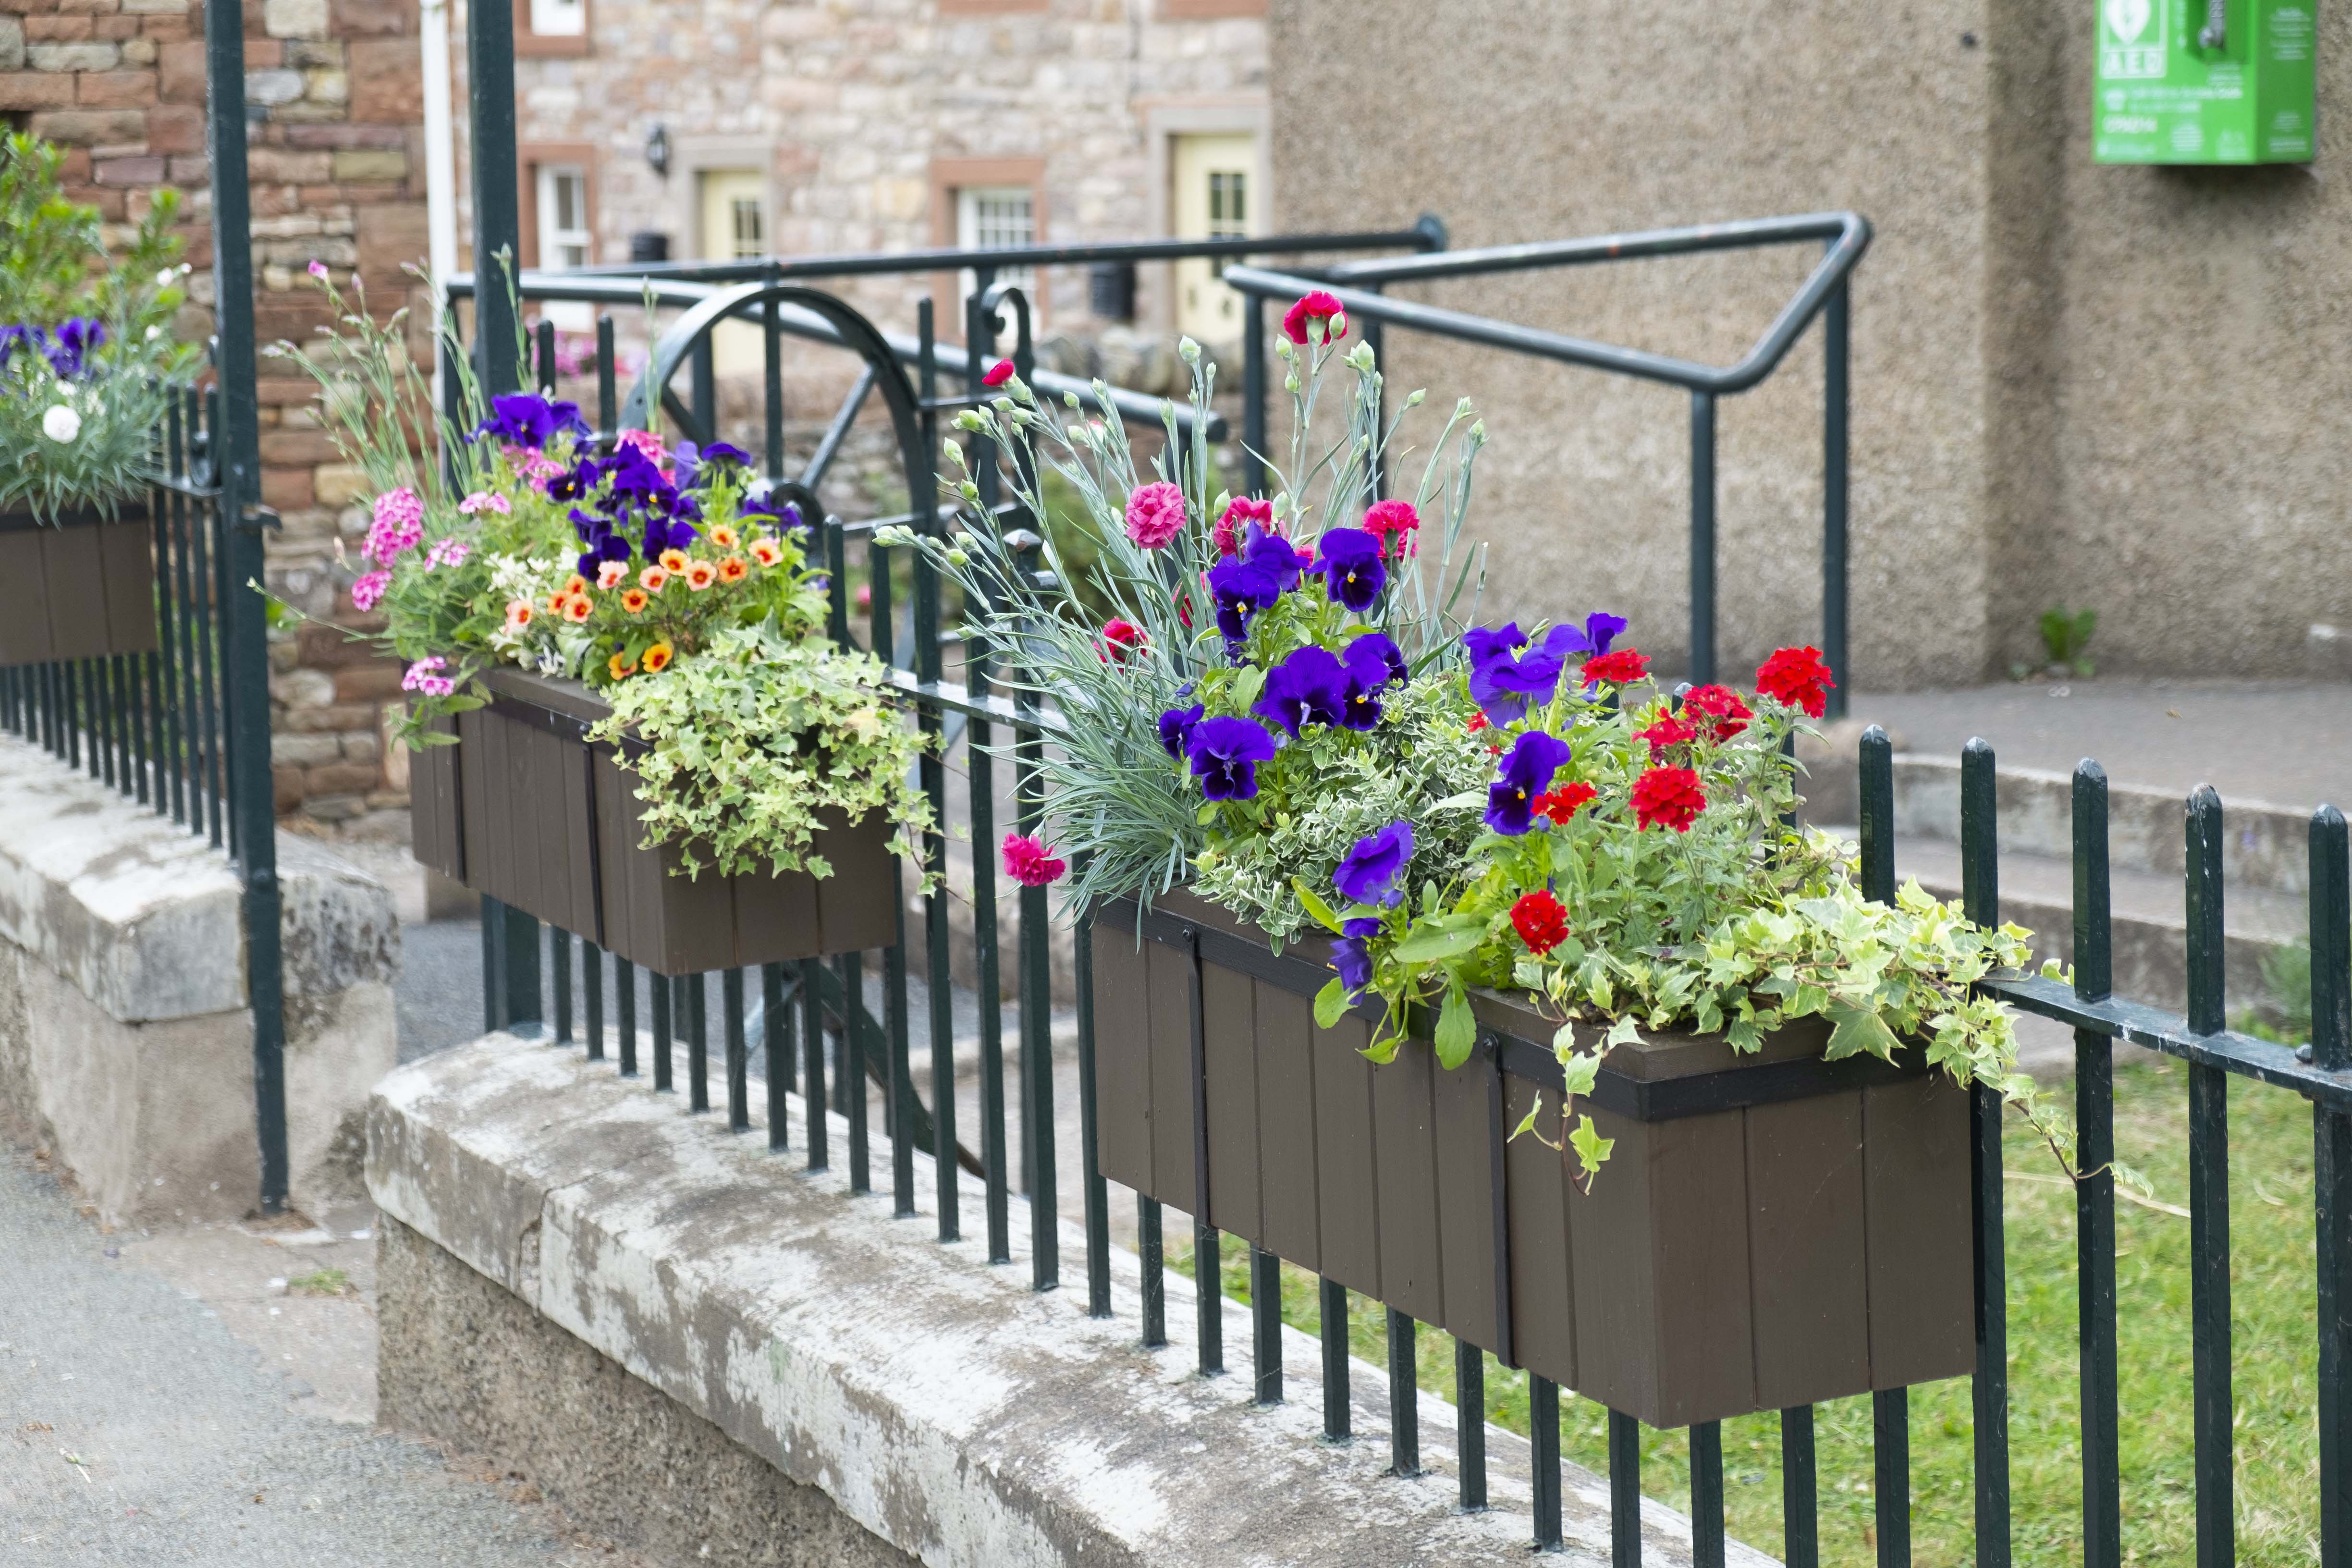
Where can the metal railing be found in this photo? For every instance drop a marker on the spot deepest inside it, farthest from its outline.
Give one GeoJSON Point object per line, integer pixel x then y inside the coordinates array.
{"type": "Point", "coordinates": [787, 1011]}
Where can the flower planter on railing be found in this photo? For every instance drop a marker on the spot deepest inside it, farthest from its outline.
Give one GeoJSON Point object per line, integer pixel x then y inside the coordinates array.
{"type": "Point", "coordinates": [525, 810]}
{"type": "Point", "coordinates": [83, 585]}
{"type": "Point", "coordinates": [1772, 1230]}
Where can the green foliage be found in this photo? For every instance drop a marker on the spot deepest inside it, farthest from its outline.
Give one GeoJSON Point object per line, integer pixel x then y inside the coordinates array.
{"type": "Point", "coordinates": [54, 262]}
{"type": "Point", "coordinates": [758, 742]}
{"type": "Point", "coordinates": [2067, 638]}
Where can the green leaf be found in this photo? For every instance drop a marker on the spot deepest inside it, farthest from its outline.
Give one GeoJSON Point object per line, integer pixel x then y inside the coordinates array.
{"type": "Point", "coordinates": [1624, 1032]}
{"type": "Point", "coordinates": [1330, 1004]}
{"type": "Point", "coordinates": [1580, 1070]}
{"type": "Point", "coordinates": [1855, 1030]}
{"type": "Point", "coordinates": [1591, 1149]}
{"type": "Point", "coordinates": [1529, 1118]}
{"type": "Point", "coordinates": [1469, 800]}
{"type": "Point", "coordinates": [1317, 908]}
{"type": "Point", "coordinates": [1436, 940]}
{"type": "Point", "coordinates": [1457, 1028]}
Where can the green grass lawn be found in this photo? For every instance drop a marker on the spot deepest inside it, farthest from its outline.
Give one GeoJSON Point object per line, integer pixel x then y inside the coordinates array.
{"type": "Point", "coordinates": [2272, 1305]}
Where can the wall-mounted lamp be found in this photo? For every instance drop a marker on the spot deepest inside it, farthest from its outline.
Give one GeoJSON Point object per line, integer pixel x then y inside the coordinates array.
{"type": "Point", "coordinates": [657, 149]}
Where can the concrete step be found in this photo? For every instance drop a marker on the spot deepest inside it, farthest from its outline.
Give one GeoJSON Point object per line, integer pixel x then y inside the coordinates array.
{"type": "Point", "coordinates": [2150, 931]}
{"type": "Point", "coordinates": [2267, 848]}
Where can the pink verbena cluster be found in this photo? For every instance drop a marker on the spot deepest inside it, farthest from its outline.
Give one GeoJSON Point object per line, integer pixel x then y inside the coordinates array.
{"type": "Point", "coordinates": [447, 552]}
{"type": "Point", "coordinates": [424, 676]}
{"type": "Point", "coordinates": [368, 590]}
{"type": "Point", "coordinates": [398, 524]}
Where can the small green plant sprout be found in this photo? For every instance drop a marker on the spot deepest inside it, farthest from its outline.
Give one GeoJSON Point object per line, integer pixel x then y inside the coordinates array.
{"type": "Point", "coordinates": [322, 1282]}
{"type": "Point", "coordinates": [2067, 639]}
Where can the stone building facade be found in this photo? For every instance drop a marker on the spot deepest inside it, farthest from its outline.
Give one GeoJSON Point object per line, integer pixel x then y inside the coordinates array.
{"type": "Point", "coordinates": [332, 87]}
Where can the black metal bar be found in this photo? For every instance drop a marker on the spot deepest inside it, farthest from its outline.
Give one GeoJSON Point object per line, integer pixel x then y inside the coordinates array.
{"type": "Point", "coordinates": [2331, 1051]}
{"type": "Point", "coordinates": [1702, 538]}
{"type": "Point", "coordinates": [1404, 1397]}
{"type": "Point", "coordinates": [661, 999]}
{"type": "Point", "coordinates": [703, 386]}
{"type": "Point", "coordinates": [2095, 1191]}
{"type": "Point", "coordinates": [1706, 1494]}
{"type": "Point", "coordinates": [813, 1065]}
{"type": "Point", "coordinates": [1337, 1412]}
{"type": "Point", "coordinates": [591, 988]}
{"type": "Point", "coordinates": [1890, 1474]}
{"type": "Point", "coordinates": [2331, 943]}
{"type": "Point", "coordinates": [1980, 896]}
{"type": "Point", "coordinates": [739, 1060]}
{"type": "Point", "coordinates": [980, 768]}
{"type": "Point", "coordinates": [698, 1043]}
{"type": "Point", "coordinates": [494, 995]}
{"type": "Point", "coordinates": [933, 772]}
{"type": "Point", "coordinates": [1208, 1261]}
{"type": "Point", "coordinates": [625, 1009]}
{"type": "Point", "coordinates": [2209, 1192]}
{"type": "Point", "coordinates": [524, 1009]}
{"type": "Point", "coordinates": [1149, 1246]}
{"type": "Point", "coordinates": [776, 1044]}
{"type": "Point", "coordinates": [493, 156]}
{"type": "Point", "coordinates": [1876, 770]}
{"type": "Point", "coordinates": [562, 939]}
{"type": "Point", "coordinates": [1265, 1324]}
{"type": "Point", "coordinates": [1624, 1490]}
{"type": "Point", "coordinates": [1470, 1423]}
{"type": "Point", "coordinates": [1543, 1442]}
{"type": "Point", "coordinates": [608, 388]}
{"type": "Point", "coordinates": [1036, 960]}
{"type": "Point", "coordinates": [772, 365]}
{"type": "Point", "coordinates": [546, 377]}
{"type": "Point", "coordinates": [851, 970]}
{"type": "Point", "coordinates": [845, 420]}
{"type": "Point", "coordinates": [1096, 1190]}
{"type": "Point", "coordinates": [1837, 356]}
{"type": "Point", "coordinates": [202, 524]}
{"type": "Point", "coordinates": [1253, 394]}
{"type": "Point", "coordinates": [1801, 1530]}
{"type": "Point", "coordinates": [880, 632]}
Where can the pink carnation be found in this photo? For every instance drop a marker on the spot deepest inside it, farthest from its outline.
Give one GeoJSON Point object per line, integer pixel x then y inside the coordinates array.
{"type": "Point", "coordinates": [399, 523]}
{"type": "Point", "coordinates": [1239, 512]}
{"type": "Point", "coordinates": [1315, 310]}
{"type": "Point", "coordinates": [1030, 863]}
{"type": "Point", "coordinates": [998, 374]}
{"type": "Point", "coordinates": [319, 271]}
{"type": "Point", "coordinates": [1155, 514]}
{"type": "Point", "coordinates": [1393, 523]}
{"type": "Point", "coordinates": [369, 589]}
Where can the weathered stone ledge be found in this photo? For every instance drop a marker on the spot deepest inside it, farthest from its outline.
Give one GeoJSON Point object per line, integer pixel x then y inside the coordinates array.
{"type": "Point", "coordinates": [939, 1403]}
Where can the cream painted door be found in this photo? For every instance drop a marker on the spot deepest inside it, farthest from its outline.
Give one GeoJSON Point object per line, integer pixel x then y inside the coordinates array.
{"type": "Point", "coordinates": [1214, 186]}
{"type": "Point", "coordinates": [735, 229]}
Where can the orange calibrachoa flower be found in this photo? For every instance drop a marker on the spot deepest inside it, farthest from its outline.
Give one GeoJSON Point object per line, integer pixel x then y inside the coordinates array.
{"type": "Point", "coordinates": [656, 658]}
{"type": "Point", "coordinates": [577, 584]}
{"type": "Point", "coordinates": [518, 614]}
{"type": "Point", "coordinates": [652, 578]}
{"type": "Point", "coordinates": [700, 575]}
{"type": "Point", "coordinates": [674, 560]}
{"type": "Point", "coordinates": [612, 575]}
{"type": "Point", "coordinates": [579, 609]}
{"type": "Point", "coordinates": [732, 570]}
{"type": "Point", "coordinates": [634, 600]}
{"type": "Point", "coordinates": [723, 536]}
{"type": "Point", "coordinates": [619, 667]}
{"type": "Point", "coordinates": [767, 552]}
{"type": "Point", "coordinates": [557, 600]}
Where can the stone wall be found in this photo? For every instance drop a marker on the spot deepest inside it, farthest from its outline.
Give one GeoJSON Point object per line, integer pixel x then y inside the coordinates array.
{"type": "Point", "coordinates": [2111, 388]}
{"type": "Point", "coordinates": [335, 91]}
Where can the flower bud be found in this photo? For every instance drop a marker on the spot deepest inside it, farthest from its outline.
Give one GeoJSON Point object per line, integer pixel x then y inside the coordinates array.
{"type": "Point", "coordinates": [958, 557]}
{"type": "Point", "coordinates": [1188, 351]}
{"type": "Point", "coordinates": [1418, 395]}
{"type": "Point", "coordinates": [1290, 383]}
{"type": "Point", "coordinates": [1360, 356]}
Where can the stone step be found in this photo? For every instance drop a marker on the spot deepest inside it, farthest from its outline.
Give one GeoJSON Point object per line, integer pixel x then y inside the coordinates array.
{"type": "Point", "coordinates": [2267, 847]}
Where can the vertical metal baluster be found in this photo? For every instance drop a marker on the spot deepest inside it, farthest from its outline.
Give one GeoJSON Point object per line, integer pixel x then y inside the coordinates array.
{"type": "Point", "coordinates": [1036, 1029]}
{"type": "Point", "coordinates": [772, 365]}
{"type": "Point", "coordinates": [2331, 1051]}
{"type": "Point", "coordinates": [1254, 390]}
{"type": "Point", "coordinates": [1095, 1189]}
{"type": "Point", "coordinates": [133, 667]}
{"type": "Point", "coordinates": [207, 644]}
{"type": "Point", "coordinates": [1980, 896]}
{"type": "Point", "coordinates": [850, 968]}
{"type": "Point", "coordinates": [1405, 1397]}
{"type": "Point", "coordinates": [813, 1054]}
{"type": "Point", "coordinates": [107, 720]}
{"type": "Point", "coordinates": [1702, 538]}
{"type": "Point", "coordinates": [879, 635]}
{"type": "Point", "coordinates": [547, 357]}
{"type": "Point", "coordinates": [187, 800]}
{"type": "Point", "coordinates": [74, 705]}
{"type": "Point", "coordinates": [698, 1042]}
{"type": "Point", "coordinates": [660, 987]}
{"type": "Point", "coordinates": [1339, 1409]}
{"type": "Point", "coordinates": [1836, 358]}
{"type": "Point", "coordinates": [1706, 1494]}
{"type": "Point", "coordinates": [494, 966]}
{"type": "Point", "coordinates": [1208, 1252]}
{"type": "Point", "coordinates": [739, 1064]}
{"type": "Point", "coordinates": [1265, 1324]}
{"type": "Point", "coordinates": [2209, 1193]}
{"type": "Point", "coordinates": [995, 1146]}
{"type": "Point", "coordinates": [1890, 1474]}
{"type": "Point", "coordinates": [1624, 1490]}
{"type": "Point", "coordinates": [702, 385]}
{"type": "Point", "coordinates": [592, 990]}
{"type": "Point", "coordinates": [2095, 1191]}
{"type": "Point", "coordinates": [1470, 1423]}
{"type": "Point", "coordinates": [624, 1008]}
{"type": "Point", "coordinates": [563, 965]}
{"type": "Point", "coordinates": [1155, 1271]}
{"type": "Point", "coordinates": [1801, 1530]}
{"type": "Point", "coordinates": [608, 388]}
{"type": "Point", "coordinates": [937, 986]}
{"type": "Point", "coordinates": [1543, 1442]}
{"type": "Point", "coordinates": [776, 1042]}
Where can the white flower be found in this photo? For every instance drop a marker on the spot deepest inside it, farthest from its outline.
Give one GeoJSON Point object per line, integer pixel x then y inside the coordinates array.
{"type": "Point", "coordinates": [62, 423]}
{"type": "Point", "coordinates": [165, 279]}
{"type": "Point", "coordinates": [155, 333]}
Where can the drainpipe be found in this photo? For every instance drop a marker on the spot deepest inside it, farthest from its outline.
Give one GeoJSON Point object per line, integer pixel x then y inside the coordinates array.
{"type": "Point", "coordinates": [440, 150]}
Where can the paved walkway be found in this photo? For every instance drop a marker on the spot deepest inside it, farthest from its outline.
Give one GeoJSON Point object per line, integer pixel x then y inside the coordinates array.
{"type": "Point", "coordinates": [135, 1428]}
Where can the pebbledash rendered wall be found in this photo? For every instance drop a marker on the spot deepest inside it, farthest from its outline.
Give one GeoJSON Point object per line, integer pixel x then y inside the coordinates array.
{"type": "Point", "coordinates": [2116, 388]}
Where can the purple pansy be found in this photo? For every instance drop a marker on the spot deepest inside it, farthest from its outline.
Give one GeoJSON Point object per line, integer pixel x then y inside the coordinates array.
{"type": "Point", "coordinates": [1275, 555]}
{"type": "Point", "coordinates": [1310, 687]}
{"type": "Point", "coordinates": [1176, 728]}
{"type": "Point", "coordinates": [1242, 590]}
{"type": "Point", "coordinates": [21, 335]}
{"type": "Point", "coordinates": [527, 419]}
{"type": "Point", "coordinates": [694, 466]}
{"type": "Point", "coordinates": [1351, 958]}
{"type": "Point", "coordinates": [1526, 773]}
{"type": "Point", "coordinates": [1504, 680]}
{"type": "Point", "coordinates": [69, 350]}
{"type": "Point", "coordinates": [1352, 570]}
{"type": "Point", "coordinates": [1368, 874]}
{"type": "Point", "coordinates": [1224, 752]}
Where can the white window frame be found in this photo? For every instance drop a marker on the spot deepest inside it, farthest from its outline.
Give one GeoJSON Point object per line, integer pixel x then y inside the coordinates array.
{"type": "Point", "coordinates": [759, 240]}
{"type": "Point", "coordinates": [559, 19]}
{"type": "Point", "coordinates": [554, 239]}
{"type": "Point", "coordinates": [977, 227]}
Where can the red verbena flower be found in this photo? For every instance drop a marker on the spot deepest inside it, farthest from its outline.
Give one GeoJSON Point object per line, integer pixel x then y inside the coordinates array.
{"type": "Point", "coordinates": [1668, 796]}
{"type": "Point", "coordinates": [1561, 804]}
{"type": "Point", "coordinates": [1319, 309]}
{"type": "Point", "coordinates": [998, 374]}
{"type": "Point", "coordinates": [1797, 677]}
{"type": "Point", "coordinates": [1394, 523]}
{"type": "Point", "coordinates": [1668, 733]}
{"type": "Point", "coordinates": [1030, 863]}
{"type": "Point", "coordinates": [1540, 919]}
{"type": "Point", "coordinates": [1720, 709]}
{"type": "Point", "coordinates": [1477, 723]}
{"type": "Point", "coordinates": [1121, 639]}
{"type": "Point", "coordinates": [1621, 668]}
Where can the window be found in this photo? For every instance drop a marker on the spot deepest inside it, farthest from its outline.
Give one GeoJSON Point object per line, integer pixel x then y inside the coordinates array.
{"type": "Point", "coordinates": [990, 217]}
{"type": "Point", "coordinates": [564, 237]}
{"type": "Point", "coordinates": [1211, 175]}
{"type": "Point", "coordinates": [559, 19]}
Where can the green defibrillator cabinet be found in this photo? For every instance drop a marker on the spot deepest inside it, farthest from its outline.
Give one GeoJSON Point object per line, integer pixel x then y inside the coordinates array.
{"type": "Point", "coordinates": [2204, 81]}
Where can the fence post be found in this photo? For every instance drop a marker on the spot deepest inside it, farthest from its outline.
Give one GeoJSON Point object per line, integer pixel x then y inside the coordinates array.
{"type": "Point", "coordinates": [1837, 353]}
{"type": "Point", "coordinates": [2331, 1049]}
{"type": "Point", "coordinates": [247, 657]}
{"type": "Point", "coordinates": [1702, 539]}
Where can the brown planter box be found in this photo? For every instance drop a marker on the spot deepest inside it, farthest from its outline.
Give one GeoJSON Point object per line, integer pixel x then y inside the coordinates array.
{"type": "Point", "coordinates": [525, 810]}
{"type": "Point", "coordinates": [1772, 1230]}
{"type": "Point", "coordinates": [80, 588]}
